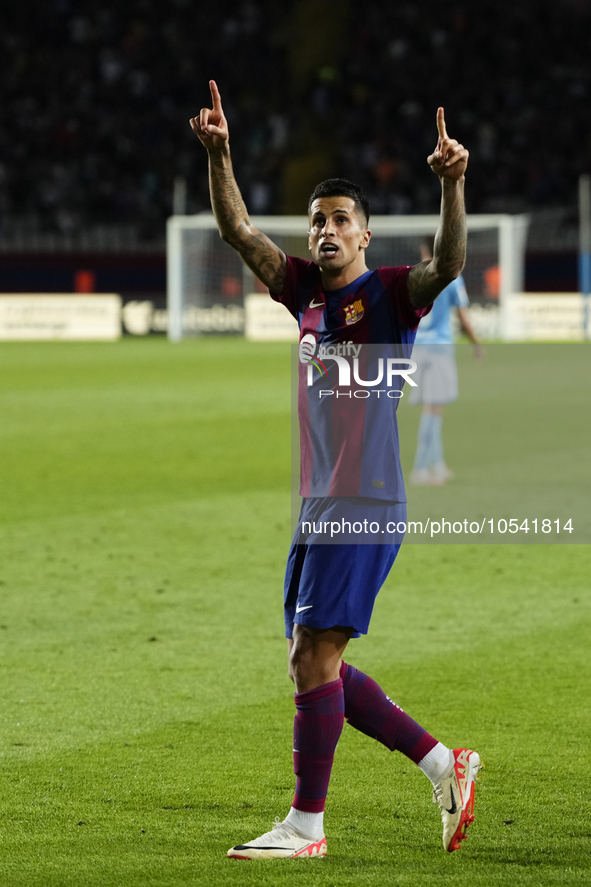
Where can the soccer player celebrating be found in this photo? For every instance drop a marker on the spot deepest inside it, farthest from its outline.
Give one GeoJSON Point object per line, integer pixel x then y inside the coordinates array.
{"type": "Point", "coordinates": [330, 589]}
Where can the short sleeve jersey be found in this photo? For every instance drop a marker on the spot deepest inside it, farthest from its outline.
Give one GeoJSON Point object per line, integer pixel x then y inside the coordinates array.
{"type": "Point", "coordinates": [349, 447]}
{"type": "Point", "coordinates": [436, 328]}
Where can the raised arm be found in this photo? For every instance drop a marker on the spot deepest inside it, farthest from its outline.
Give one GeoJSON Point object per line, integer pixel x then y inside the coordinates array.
{"type": "Point", "coordinates": [426, 280]}
{"type": "Point", "coordinates": [262, 256]}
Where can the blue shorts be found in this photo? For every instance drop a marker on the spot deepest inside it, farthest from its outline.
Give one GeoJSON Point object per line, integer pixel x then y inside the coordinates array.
{"type": "Point", "coordinates": [334, 580]}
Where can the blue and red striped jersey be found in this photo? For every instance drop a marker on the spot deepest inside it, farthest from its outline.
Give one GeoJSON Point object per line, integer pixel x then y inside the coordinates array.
{"type": "Point", "coordinates": [348, 446]}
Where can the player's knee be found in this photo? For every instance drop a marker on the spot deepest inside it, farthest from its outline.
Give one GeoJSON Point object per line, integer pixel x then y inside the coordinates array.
{"type": "Point", "coordinates": [296, 656]}
{"type": "Point", "coordinates": [300, 660]}
{"type": "Point", "coordinates": [306, 660]}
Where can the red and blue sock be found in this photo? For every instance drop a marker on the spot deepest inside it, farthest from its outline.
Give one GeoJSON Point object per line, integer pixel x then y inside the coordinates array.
{"type": "Point", "coordinates": [368, 709]}
{"type": "Point", "coordinates": [318, 724]}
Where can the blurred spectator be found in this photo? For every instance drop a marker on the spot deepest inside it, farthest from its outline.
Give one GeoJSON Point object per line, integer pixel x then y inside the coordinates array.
{"type": "Point", "coordinates": [96, 101]}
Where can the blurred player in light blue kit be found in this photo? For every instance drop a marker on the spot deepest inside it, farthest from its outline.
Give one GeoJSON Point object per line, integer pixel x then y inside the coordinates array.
{"type": "Point", "coordinates": [437, 375]}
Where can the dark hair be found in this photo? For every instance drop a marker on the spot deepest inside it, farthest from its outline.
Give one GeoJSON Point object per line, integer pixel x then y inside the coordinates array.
{"type": "Point", "coordinates": [342, 188]}
{"type": "Point", "coordinates": [428, 242]}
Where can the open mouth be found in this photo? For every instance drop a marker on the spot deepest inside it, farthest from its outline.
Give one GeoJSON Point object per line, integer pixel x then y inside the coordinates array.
{"type": "Point", "coordinates": [329, 249]}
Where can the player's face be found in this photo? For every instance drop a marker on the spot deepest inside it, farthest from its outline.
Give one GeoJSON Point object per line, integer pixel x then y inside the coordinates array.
{"type": "Point", "coordinates": [338, 233]}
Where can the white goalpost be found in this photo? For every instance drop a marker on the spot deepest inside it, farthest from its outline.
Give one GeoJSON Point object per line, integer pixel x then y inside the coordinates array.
{"type": "Point", "coordinates": [208, 282]}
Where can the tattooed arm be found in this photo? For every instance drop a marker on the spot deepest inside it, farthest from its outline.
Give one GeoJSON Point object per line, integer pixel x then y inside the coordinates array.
{"type": "Point", "coordinates": [427, 279]}
{"type": "Point", "coordinates": [262, 256]}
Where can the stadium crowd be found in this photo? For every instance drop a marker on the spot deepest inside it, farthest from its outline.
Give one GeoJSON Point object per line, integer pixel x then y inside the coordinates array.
{"type": "Point", "coordinates": [96, 100]}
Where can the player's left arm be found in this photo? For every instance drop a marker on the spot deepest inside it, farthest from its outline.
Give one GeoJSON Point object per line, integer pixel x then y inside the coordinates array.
{"type": "Point", "coordinates": [427, 279]}
{"type": "Point", "coordinates": [469, 330]}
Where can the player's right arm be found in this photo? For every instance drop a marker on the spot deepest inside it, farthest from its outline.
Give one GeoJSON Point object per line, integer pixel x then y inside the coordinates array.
{"type": "Point", "coordinates": [262, 256]}
{"type": "Point", "coordinates": [427, 279]}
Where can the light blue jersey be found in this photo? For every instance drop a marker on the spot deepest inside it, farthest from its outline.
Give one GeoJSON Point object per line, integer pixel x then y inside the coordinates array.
{"type": "Point", "coordinates": [436, 328]}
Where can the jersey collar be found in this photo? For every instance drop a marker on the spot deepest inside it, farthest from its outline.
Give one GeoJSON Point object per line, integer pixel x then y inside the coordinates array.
{"type": "Point", "coordinates": [350, 287]}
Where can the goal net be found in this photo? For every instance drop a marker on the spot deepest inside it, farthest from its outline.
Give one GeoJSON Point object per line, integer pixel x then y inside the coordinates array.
{"type": "Point", "coordinates": [208, 283]}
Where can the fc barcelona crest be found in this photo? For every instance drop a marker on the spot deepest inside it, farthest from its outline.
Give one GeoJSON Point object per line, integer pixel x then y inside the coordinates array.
{"type": "Point", "coordinates": [354, 312]}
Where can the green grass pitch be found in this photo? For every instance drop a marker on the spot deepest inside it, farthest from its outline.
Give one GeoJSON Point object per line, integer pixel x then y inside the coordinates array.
{"type": "Point", "coordinates": [145, 711]}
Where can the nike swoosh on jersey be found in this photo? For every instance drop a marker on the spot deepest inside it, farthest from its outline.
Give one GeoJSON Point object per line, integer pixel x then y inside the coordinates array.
{"type": "Point", "coordinates": [314, 304]}
{"type": "Point", "coordinates": [299, 609]}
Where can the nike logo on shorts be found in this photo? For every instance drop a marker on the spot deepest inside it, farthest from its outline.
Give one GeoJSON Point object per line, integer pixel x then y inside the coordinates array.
{"type": "Point", "coordinates": [299, 609]}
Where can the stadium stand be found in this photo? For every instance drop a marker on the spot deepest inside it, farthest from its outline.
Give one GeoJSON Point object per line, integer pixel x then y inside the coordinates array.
{"type": "Point", "coordinates": [96, 100]}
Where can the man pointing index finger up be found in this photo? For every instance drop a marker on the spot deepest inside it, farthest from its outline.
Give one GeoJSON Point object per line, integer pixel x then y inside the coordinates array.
{"type": "Point", "coordinates": [329, 590]}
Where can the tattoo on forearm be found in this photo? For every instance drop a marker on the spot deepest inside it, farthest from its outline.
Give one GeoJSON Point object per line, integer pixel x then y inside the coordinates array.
{"type": "Point", "coordinates": [427, 279]}
{"type": "Point", "coordinates": [226, 200]}
{"type": "Point", "coordinates": [261, 255]}
{"type": "Point", "coordinates": [450, 242]}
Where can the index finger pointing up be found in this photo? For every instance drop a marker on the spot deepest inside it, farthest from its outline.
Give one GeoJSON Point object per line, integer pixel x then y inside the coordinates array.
{"type": "Point", "coordinates": [441, 124]}
{"type": "Point", "coordinates": [215, 96]}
